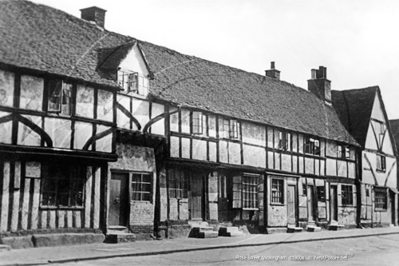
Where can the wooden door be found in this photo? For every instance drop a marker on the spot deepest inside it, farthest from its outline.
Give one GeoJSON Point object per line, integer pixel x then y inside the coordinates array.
{"type": "Point", "coordinates": [291, 204]}
{"type": "Point", "coordinates": [223, 202]}
{"type": "Point", "coordinates": [197, 197]}
{"type": "Point", "coordinates": [334, 203]}
{"type": "Point", "coordinates": [311, 204]}
{"type": "Point", "coordinates": [118, 199]}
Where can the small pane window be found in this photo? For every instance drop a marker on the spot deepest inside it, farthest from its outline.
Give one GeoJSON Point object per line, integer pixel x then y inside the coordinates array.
{"type": "Point", "coordinates": [312, 146]}
{"type": "Point", "coordinates": [380, 199]}
{"type": "Point", "coordinates": [277, 191]}
{"type": "Point", "coordinates": [347, 195]}
{"type": "Point", "coordinates": [197, 123]}
{"type": "Point", "coordinates": [141, 187]}
{"type": "Point", "coordinates": [178, 183]}
{"type": "Point", "coordinates": [381, 163]}
{"type": "Point", "coordinates": [59, 99]}
{"type": "Point", "coordinates": [249, 191]}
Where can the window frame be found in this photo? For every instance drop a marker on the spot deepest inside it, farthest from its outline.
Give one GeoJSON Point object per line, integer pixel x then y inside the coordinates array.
{"type": "Point", "coordinates": [380, 199]}
{"type": "Point", "coordinates": [321, 193]}
{"type": "Point", "coordinates": [311, 145]}
{"type": "Point", "coordinates": [345, 191]}
{"type": "Point", "coordinates": [381, 164]}
{"type": "Point", "coordinates": [245, 191]}
{"type": "Point", "coordinates": [180, 184]}
{"type": "Point", "coordinates": [74, 175]}
{"type": "Point", "coordinates": [284, 140]}
{"type": "Point", "coordinates": [277, 195]}
{"type": "Point", "coordinates": [64, 88]}
{"type": "Point", "coordinates": [197, 123]}
{"type": "Point", "coordinates": [141, 183]}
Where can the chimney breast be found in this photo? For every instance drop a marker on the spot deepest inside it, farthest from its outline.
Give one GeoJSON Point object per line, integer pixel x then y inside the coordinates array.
{"type": "Point", "coordinates": [94, 14]}
{"type": "Point", "coordinates": [319, 85]}
{"type": "Point", "coordinates": [273, 72]}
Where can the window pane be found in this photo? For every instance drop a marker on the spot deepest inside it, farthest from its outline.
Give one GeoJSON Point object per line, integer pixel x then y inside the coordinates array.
{"type": "Point", "coordinates": [55, 93]}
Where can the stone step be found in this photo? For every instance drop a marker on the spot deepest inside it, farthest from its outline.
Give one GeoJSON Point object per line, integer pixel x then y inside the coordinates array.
{"type": "Point", "coordinates": [313, 228]}
{"type": "Point", "coordinates": [208, 234]}
{"type": "Point", "coordinates": [294, 229]}
{"type": "Point", "coordinates": [4, 248]}
{"type": "Point", "coordinates": [120, 237]}
{"type": "Point", "coordinates": [117, 228]}
{"type": "Point", "coordinates": [335, 227]}
{"type": "Point", "coordinates": [230, 231]}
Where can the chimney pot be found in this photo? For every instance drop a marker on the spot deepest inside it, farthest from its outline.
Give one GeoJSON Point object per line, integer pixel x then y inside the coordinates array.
{"type": "Point", "coordinates": [319, 85]}
{"type": "Point", "coordinates": [94, 14]}
{"type": "Point", "coordinates": [273, 72]}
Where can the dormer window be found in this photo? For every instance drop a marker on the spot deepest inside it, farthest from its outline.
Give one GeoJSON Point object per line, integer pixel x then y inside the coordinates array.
{"type": "Point", "coordinates": [132, 82]}
{"type": "Point", "coordinates": [59, 100]}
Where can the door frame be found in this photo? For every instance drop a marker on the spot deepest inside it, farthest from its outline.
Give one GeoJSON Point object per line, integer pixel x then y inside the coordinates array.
{"type": "Point", "coordinates": [295, 203]}
{"type": "Point", "coordinates": [203, 176]}
{"type": "Point", "coordinates": [127, 213]}
{"type": "Point", "coordinates": [335, 203]}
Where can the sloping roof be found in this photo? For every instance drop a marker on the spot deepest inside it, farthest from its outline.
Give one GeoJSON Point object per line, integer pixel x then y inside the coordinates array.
{"type": "Point", "coordinates": [354, 109]}
{"type": "Point", "coordinates": [395, 131]}
{"type": "Point", "coordinates": [110, 58]}
{"type": "Point", "coordinates": [39, 37]}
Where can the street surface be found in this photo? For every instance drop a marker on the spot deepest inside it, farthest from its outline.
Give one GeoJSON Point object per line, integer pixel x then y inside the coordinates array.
{"type": "Point", "coordinates": [375, 250]}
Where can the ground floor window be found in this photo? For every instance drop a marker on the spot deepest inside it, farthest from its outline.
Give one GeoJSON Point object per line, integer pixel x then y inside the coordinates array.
{"type": "Point", "coordinates": [245, 191]}
{"type": "Point", "coordinates": [380, 199]}
{"type": "Point", "coordinates": [63, 185]}
{"type": "Point", "coordinates": [321, 195]}
{"type": "Point", "coordinates": [277, 191]}
{"type": "Point", "coordinates": [141, 186]}
{"type": "Point", "coordinates": [347, 194]}
{"type": "Point", "coordinates": [178, 183]}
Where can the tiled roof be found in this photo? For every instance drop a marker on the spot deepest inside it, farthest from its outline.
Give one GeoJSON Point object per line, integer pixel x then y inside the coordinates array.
{"type": "Point", "coordinates": [354, 109]}
{"type": "Point", "coordinates": [39, 37]}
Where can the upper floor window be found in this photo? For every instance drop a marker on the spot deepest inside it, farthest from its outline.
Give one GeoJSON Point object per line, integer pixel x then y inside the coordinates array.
{"type": "Point", "coordinates": [312, 146]}
{"type": "Point", "coordinates": [6, 88]}
{"type": "Point", "coordinates": [32, 89]}
{"type": "Point", "coordinates": [381, 163]}
{"type": "Point", "coordinates": [229, 128]}
{"type": "Point", "coordinates": [59, 97]}
{"type": "Point", "coordinates": [284, 140]}
{"type": "Point", "coordinates": [132, 82]}
{"type": "Point", "coordinates": [198, 126]}
{"type": "Point", "coordinates": [85, 101]}
{"type": "Point", "coordinates": [343, 152]}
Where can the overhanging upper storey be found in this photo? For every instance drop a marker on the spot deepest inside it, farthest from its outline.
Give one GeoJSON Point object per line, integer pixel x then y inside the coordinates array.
{"type": "Point", "coordinates": [126, 65]}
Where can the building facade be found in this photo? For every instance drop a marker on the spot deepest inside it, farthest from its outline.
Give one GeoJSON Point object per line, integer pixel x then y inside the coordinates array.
{"type": "Point", "coordinates": [108, 132]}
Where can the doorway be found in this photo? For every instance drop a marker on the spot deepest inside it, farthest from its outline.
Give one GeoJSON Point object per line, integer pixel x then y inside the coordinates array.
{"type": "Point", "coordinates": [196, 201]}
{"type": "Point", "coordinates": [392, 201]}
{"type": "Point", "coordinates": [118, 199]}
{"type": "Point", "coordinates": [311, 209]}
{"type": "Point", "coordinates": [291, 205]}
{"type": "Point", "coordinates": [334, 203]}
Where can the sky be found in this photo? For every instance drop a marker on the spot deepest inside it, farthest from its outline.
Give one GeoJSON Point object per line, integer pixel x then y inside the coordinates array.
{"type": "Point", "coordinates": [357, 41]}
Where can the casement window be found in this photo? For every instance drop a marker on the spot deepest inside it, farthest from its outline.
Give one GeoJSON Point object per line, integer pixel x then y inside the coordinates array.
{"type": "Point", "coordinates": [284, 140]}
{"type": "Point", "coordinates": [178, 183]}
{"type": "Point", "coordinates": [343, 152]}
{"type": "Point", "coordinates": [245, 191]}
{"type": "Point", "coordinates": [63, 186]}
{"type": "Point", "coordinates": [59, 97]}
{"type": "Point", "coordinates": [380, 130]}
{"type": "Point", "coordinates": [321, 193]}
{"type": "Point", "coordinates": [132, 82]}
{"type": "Point", "coordinates": [229, 128]}
{"type": "Point", "coordinates": [277, 191]}
{"type": "Point", "coordinates": [141, 187]}
{"type": "Point", "coordinates": [381, 163]}
{"type": "Point", "coordinates": [347, 194]}
{"type": "Point", "coordinates": [312, 146]}
{"type": "Point", "coordinates": [197, 123]}
{"type": "Point", "coordinates": [380, 199]}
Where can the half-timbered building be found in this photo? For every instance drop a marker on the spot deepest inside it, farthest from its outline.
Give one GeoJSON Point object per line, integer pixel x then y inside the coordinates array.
{"type": "Point", "coordinates": [104, 131]}
{"type": "Point", "coordinates": [363, 113]}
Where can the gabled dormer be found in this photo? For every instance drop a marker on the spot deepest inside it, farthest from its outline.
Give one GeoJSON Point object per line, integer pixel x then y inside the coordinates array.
{"type": "Point", "coordinates": [126, 64]}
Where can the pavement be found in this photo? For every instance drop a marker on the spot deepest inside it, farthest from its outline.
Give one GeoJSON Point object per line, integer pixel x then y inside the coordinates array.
{"type": "Point", "coordinates": [64, 254]}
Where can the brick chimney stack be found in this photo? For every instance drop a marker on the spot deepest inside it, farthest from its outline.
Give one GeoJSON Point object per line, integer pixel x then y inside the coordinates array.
{"type": "Point", "coordinates": [94, 14]}
{"type": "Point", "coordinates": [319, 85]}
{"type": "Point", "coordinates": [272, 72]}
